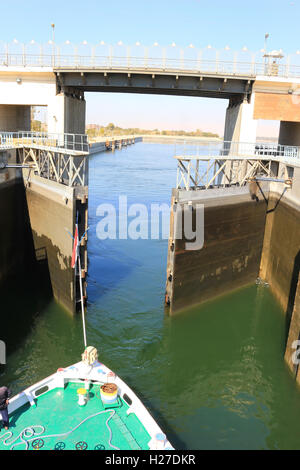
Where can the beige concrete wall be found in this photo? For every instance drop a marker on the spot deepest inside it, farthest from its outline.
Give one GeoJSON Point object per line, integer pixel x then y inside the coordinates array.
{"type": "Point", "coordinates": [277, 106]}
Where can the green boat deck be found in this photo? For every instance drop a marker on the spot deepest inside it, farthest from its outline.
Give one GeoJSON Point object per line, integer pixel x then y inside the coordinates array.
{"type": "Point", "coordinates": [59, 413]}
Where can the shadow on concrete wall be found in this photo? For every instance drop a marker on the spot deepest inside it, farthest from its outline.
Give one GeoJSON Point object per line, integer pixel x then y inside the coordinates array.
{"type": "Point", "coordinates": [254, 187]}
{"type": "Point", "coordinates": [292, 294]}
{"type": "Point", "coordinates": [24, 297]}
{"type": "Point", "coordinates": [277, 202]}
{"type": "Point", "coordinates": [25, 288]}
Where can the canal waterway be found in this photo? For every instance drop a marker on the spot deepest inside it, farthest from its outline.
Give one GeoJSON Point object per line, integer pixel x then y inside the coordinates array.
{"type": "Point", "coordinates": [214, 377]}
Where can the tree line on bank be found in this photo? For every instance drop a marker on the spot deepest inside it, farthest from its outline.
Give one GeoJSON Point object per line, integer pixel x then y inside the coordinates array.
{"type": "Point", "coordinates": [95, 130]}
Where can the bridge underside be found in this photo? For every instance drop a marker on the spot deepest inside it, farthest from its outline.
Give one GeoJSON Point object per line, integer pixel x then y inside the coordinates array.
{"type": "Point", "coordinates": [152, 83]}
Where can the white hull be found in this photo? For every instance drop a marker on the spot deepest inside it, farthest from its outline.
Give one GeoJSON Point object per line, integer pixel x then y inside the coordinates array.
{"type": "Point", "coordinates": [100, 374]}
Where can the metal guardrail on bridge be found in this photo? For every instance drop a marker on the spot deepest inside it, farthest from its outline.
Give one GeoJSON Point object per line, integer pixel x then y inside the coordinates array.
{"type": "Point", "coordinates": [206, 60]}
{"type": "Point", "coordinates": [64, 142]}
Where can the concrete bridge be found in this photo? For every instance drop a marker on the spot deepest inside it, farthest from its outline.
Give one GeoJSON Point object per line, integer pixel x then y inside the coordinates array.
{"type": "Point", "coordinates": [257, 85]}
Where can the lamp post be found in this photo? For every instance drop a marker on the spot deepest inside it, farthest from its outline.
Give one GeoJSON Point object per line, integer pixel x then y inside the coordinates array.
{"type": "Point", "coordinates": [265, 47]}
{"type": "Point", "coordinates": [53, 42]}
{"type": "Point", "coordinates": [266, 37]}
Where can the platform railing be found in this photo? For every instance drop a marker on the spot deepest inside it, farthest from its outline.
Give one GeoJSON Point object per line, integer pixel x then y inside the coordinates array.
{"type": "Point", "coordinates": [217, 149]}
{"type": "Point", "coordinates": [167, 58]}
{"type": "Point", "coordinates": [207, 164]}
{"type": "Point", "coordinates": [66, 142]}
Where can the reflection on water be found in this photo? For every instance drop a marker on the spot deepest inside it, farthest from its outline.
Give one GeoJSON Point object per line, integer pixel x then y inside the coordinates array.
{"type": "Point", "coordinates": [214, 377]}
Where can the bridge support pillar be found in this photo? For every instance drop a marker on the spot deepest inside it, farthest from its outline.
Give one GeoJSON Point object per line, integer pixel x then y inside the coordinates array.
{"type": "Point", "coordinates": [15, 118]}
{"type": "Point", "coordinates": [239, 123]}
{"type": "Point", "coordinates": [289, 133]}
{"type": "Point", "coordinates": [66, 114]}
{"type": "Point", "coordinates": [239, 127]}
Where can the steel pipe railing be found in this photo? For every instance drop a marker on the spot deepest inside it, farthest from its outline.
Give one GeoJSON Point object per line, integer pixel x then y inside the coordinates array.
{"type": "Point", "coordinates": [191, 59]}
{"type": "Point", "coordinates": [72, 142]}
{"type": "Point", "coordinates": [218, 149]}
{"type": "Point", "coordinates": [205, 164]}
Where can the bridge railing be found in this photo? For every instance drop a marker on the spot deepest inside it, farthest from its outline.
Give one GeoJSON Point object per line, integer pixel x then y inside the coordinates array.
{"type": "Point", "coordinates": [207, 164]}
{"type": "Point", "coordinates": [173, 58]}
{"type": "Point", "coordinates": [217, 149]}
{"type": "Point", "coordinates": [66, 142]}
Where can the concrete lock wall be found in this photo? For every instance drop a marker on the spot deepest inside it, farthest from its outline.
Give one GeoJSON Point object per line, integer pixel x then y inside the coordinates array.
{"type": "Point", "coordinates": [249, 232]}
{"type": "Point", "coordinates": [230, 258]}
{"type": "Point", "coordinates": [51, 209]}
{"type": "Point", "coordinates": [282, 239]}
{"type": "Point", "coordinates": [294, 333]}
{"type": "Point", "coordinates": [280, 261]}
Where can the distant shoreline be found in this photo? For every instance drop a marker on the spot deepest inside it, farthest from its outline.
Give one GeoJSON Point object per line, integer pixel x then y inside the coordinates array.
{"type": "Point", "coordinates": [178, 138]}
{"type": "Point", "coordinates": [153, 137]}
{"type": "Point", "coordinates": [172, 138]}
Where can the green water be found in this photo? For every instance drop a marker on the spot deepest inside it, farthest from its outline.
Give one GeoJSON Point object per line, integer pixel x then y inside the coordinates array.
{"type": "Point", "coordinates": [213, 378]}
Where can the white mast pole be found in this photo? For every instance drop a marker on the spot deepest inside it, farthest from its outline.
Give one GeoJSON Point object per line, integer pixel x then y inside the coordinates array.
{"type": "Point", "coordinates": [81, 296]}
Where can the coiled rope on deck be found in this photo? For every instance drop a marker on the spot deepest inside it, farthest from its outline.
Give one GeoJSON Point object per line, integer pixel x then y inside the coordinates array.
{"type": "Point", "coordinates": [29, 433]}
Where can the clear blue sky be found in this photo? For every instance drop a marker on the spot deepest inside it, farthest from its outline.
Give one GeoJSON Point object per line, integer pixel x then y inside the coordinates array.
{"type": "Point", "coordinates": [216, 22]}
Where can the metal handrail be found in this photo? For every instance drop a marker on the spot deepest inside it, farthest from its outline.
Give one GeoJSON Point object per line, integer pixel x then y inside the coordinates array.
{"type": "Point", "coordinates": [206, 60]}
{"type": "Point", "coordinates": [211, 163]}
{"type": "Point", "coordinates": [72, 142]}
{"type": "Point", "coordinates": [215, 149]}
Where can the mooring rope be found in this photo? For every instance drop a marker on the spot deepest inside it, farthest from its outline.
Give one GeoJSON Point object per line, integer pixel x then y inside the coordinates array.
{"type": "Point", "coordinates": [26, 435]}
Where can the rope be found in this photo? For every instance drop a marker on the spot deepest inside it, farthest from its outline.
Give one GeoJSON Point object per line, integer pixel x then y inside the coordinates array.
{"type": "Point", "coordinates": [24, 433]}
{"type": "Point", "coordinates": [30, 431]}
